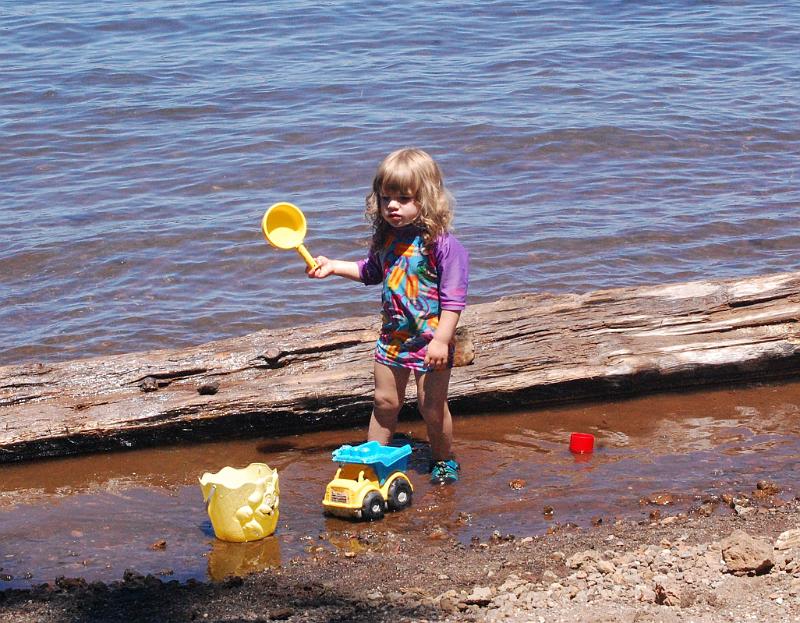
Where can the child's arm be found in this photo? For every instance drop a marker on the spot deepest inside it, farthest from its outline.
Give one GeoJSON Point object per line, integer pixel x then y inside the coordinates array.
{"type": "Point", "coordinates": [326, 267]}
{"type": "Point", "coordinates": [453, 262]}
{"type": "Point", "coordinates": [439, 347]}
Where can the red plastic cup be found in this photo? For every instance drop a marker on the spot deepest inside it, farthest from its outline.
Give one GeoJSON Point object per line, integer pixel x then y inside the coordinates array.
{"type": "Point", "coordinates": [581, 443]}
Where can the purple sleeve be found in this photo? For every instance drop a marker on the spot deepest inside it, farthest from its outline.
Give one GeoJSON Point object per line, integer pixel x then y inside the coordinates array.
{"type": "Point", "coordinates": [370, 269]}
{"type": "Point", "coordinates": [452, 261]}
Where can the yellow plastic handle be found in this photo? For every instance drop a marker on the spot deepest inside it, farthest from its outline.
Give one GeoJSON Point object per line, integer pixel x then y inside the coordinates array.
{"type": "Point", "coordinates": [312, 264]}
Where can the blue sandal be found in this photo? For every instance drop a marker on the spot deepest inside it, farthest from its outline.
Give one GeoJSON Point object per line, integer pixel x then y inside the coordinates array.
{"type": "Point", "coordinates": [445, 472]}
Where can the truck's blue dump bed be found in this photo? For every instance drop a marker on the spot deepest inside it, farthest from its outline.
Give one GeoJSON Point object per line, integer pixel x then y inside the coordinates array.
{"type": "Point", "coordinates": [384, 459]}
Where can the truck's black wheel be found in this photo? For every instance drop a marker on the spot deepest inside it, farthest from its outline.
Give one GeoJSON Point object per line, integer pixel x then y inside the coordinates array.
{"type": "Point", "coordinates": [373, 507]}
{"type": "Point", "coordinates": [400, 494]}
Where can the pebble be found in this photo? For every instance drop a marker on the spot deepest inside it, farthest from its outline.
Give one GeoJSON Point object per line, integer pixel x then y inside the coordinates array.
{"type": "Point", "coordinates": [743, 510]}
{"type": "Point", "coordinates": [788, 540]}
{"type": "Point", "coordinates": [549, 576]}
{"type": "Point", "coordinates": [660, 499]}
{"type": "Point", "coordinates": [149, 384]}
{"type": "Point", "coordinates": [770, 488]}
{"type": "Point", "coordinates": [208, 389]}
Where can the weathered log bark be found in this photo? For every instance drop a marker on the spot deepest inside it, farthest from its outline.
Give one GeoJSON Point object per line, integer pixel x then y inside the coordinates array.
{"type": "Point", "coordinates": [530, 349]}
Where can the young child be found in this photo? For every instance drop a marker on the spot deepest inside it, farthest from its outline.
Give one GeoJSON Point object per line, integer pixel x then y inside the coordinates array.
{"type": "Point", "coordinates": [424, 271]}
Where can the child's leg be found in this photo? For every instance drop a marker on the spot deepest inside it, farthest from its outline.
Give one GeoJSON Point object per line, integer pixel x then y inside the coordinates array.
{"type": "Point", "coordinates": [390, 392]}
{"type": "Point", "coordinates": [432, 390]}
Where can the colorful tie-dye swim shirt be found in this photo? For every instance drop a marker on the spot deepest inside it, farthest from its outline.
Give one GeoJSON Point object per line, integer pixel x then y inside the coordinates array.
{"type": "Point", "coordinates": [416, 287]}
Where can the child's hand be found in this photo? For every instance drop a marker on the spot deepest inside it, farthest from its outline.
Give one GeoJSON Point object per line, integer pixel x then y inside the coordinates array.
{"type": "Point", "coordinates": [324, 268]}
{"type": "Point", "coordinates": [437, 354]}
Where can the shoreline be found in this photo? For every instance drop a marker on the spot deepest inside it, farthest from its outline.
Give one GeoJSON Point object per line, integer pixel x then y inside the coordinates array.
{"type": "Point", "coordinates": [666, 569]}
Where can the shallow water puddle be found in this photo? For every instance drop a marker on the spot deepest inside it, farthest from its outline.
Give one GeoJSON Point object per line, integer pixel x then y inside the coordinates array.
{"type": "Point", "coordinates": [96, 516]}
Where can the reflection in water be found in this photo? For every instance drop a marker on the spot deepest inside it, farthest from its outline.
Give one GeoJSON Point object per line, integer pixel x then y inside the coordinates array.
{"type": "Point", "coordinates": [581, 458]}
{"type": "Point", "coordinates": [227, 559]}
{"type": "Point", "coordinates": [676, 447]}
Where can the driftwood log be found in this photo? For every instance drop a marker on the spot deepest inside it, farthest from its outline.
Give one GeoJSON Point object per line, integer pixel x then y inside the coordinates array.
{"type": "Point", "coordinates": [528, 350]}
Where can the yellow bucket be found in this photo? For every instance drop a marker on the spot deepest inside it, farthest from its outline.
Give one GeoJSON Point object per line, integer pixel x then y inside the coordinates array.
{"type": "Point", "coordinates": [242, 503]}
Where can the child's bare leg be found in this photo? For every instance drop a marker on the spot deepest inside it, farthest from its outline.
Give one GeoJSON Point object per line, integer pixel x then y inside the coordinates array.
{"type": "Point", "coordinates": [390, 392]}
{"type": "Point", "coordinates": [432, 390]}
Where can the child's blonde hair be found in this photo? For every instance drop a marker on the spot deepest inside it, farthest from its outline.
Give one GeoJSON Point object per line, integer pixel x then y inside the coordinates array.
{"type": "Point", "coordinates": [411, 171]}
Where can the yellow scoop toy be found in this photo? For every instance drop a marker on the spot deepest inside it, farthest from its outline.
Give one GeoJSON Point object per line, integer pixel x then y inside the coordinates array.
{"type": "Point", "coordinates": [284, 227]}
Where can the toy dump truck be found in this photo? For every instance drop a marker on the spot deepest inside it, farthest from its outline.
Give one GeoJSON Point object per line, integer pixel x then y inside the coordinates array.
{"type": "Point", "coordinates": [370, 480]}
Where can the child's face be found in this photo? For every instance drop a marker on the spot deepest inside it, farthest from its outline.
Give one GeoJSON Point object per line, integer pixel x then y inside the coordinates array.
{"type": "Point", "coordinates": [398, 209]}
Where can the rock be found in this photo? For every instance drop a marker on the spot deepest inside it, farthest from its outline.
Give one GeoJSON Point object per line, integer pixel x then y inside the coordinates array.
{"type": "Point", "coordinates": [667, 595]}
{"type": "Point", "coordinates": [208, 389]}
{"type": "Point", "coordinates": [743, 510]}
{"type": "Point", "coordinates": [448, 594]}
{"type": "Point", "coordinates": [744, 554]}
{"type": "Point", "coordinates": [517, 484]}
{"type": "Point", "coordinates": [149, 384]}
{"type": "Point", "coordinates": [511, 583]}
{"type": "Point", "coordinates": [448, 604]}
{"type": "Point", "coordinates": [727, 498]}
{"type": "Point", "coordinates": [712, 559]}
{"type": "Point", "coordinates": [706, 509]}
{"type": "Point", "coordinates": [788, 540]}
{"type": "Point", "coordinates": [644, 593]}
{"type": "Point", "coordinates": [659, 499]}
{"type": "Point", "coordinates": [281, 614]}
{"type": "Point", "coordinates": [606, 567]}
{"type": "Point", "coordinates": [480, 596]}
{"type": "Point", "coordinates": [583, 559]}
{"type": "Point", "coordinates": [787, 560]}
{"type": "Point", "coordinates": [131, 576]}
{"type": "Point", "coordinates": [768, 487]}
{"type": "Point", "coordinates": [71, 584]}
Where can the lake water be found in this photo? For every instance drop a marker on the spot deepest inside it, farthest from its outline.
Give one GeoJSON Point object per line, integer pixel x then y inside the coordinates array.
{"type": "Point", "coordinates": [589, 145]}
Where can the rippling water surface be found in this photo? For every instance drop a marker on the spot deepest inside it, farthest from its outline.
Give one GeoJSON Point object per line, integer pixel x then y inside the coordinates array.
{"type": "Point", "coordinates": [588, 145]}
